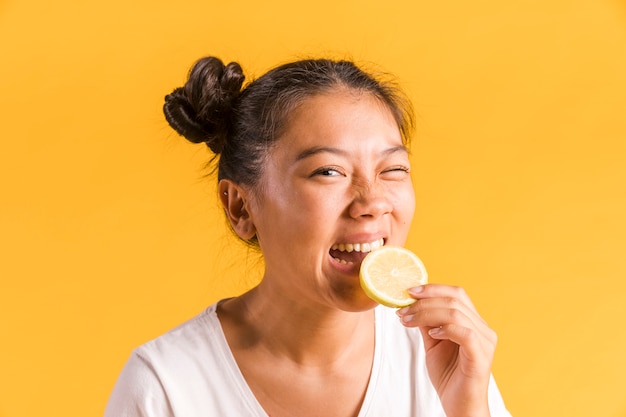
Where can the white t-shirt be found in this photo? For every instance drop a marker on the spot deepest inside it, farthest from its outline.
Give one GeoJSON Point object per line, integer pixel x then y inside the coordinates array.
{"type": "Point", "coordinates": [191, 372]}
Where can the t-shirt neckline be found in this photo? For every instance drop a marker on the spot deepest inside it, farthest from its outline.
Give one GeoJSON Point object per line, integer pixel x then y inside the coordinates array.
{"type": "Point", "coordinates": [246, 394]}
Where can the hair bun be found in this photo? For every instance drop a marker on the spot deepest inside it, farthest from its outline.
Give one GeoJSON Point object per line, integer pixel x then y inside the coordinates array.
{"type": "Point", "coordinates": [200, 110]}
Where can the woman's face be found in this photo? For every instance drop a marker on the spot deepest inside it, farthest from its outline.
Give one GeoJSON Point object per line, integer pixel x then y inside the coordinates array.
{"type": "Point", "coordinates": [336, 184]}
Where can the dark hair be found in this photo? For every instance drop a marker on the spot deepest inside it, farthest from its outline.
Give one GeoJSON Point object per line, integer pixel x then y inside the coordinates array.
{"type": "Point", "coordinates": [240, 125]}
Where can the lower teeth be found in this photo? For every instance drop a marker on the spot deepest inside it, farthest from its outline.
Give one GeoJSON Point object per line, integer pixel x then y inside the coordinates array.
{"type": "Point", "coordinates": [343, 262]}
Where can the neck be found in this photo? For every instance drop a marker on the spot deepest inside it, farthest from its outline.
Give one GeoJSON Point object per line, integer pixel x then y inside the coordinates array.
{"type": "Point", "coordinates": [306, 334]}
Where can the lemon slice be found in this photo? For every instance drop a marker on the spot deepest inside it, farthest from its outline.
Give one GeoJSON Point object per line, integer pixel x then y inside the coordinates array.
{"type": "Point", "coordinates": [387, 273]}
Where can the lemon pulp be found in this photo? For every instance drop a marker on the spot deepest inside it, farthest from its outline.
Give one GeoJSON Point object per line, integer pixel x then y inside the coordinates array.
{"type": "Point", "coordinates": [387, 273]}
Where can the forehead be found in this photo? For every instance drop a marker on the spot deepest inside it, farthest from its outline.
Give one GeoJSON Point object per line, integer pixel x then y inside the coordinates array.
{"type": "Point", "coordinates": [342, 118]}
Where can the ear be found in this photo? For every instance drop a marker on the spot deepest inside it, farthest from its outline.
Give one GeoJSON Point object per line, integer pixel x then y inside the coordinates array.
{"type": "Point", "coordinates": [235, 203]}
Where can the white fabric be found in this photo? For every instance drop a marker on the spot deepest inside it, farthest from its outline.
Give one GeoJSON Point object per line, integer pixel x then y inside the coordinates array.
{"type": "Point", "coordinates": [190, 372]}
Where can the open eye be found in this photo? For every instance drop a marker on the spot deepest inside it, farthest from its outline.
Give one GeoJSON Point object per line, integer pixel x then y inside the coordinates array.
{"type": "Point", "coordinates": [328, 172]}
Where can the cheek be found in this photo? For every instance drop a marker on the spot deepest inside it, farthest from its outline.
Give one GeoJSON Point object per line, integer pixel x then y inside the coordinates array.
{"type": "Point", "coordinates": [316, 199]}
{"type": "Point", "coordinates": [405, 205]}
{"type": "Point", "coordinates": [290, 210]}
{"type": "Point", "coordinates": [411, 203]}
{"type": "Point", "coordinates": [402, 192]}
{"type": "Point", "coordinates": [314, 209]}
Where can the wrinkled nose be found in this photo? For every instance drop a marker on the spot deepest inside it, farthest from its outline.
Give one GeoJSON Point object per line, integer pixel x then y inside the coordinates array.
{"type": "Point", "coordinates": [370, 201]}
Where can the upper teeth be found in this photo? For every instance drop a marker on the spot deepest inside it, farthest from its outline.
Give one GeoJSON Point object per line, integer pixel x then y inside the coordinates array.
{"type": "Point", "coordinates": [359, 247]}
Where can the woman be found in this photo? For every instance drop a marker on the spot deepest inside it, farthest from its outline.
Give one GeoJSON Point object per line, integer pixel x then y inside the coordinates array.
{"type": "Point", "coordinates": [314, 171]}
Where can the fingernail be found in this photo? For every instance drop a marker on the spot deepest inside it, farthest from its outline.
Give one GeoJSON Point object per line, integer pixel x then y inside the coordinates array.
{"type": "Point", "coordinates": [435, 331]}
{"type": "Point", "coordinates": [408, 318]}
{"type": "Point", "coordinates": [402, 311]}
{"type": "Point", "coordinates": [416, 290]}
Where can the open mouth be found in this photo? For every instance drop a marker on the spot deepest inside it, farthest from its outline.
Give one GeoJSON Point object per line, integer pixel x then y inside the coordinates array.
{"type": "Point", "coordinates": [353, 253]}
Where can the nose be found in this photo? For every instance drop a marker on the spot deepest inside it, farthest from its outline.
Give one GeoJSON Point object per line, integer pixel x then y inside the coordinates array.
{"type": "Point", "coordinates": [370, 201]}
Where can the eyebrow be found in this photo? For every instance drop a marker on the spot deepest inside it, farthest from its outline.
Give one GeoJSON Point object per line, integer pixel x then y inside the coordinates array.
{"type": "Point", "coordinates": [307, 153]}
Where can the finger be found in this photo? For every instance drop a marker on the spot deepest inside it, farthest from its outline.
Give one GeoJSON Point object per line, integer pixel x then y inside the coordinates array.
{"type": "Point", "coordinates": [472, 345]}
{"type": "Point", "coordinates": [441, 290]}
{"type": "Point", "coordinates": [445, 291]}
{"type": "Point", "coordinates": [437, 312]}
{"type": "Point", "coordinates": [435, 316]}
{"type": "Point", "coordinates": [445, 304]}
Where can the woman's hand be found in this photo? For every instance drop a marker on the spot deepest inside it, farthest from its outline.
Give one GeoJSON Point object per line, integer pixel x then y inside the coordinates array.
{"type": "Point", "coordinates": [459, 347]}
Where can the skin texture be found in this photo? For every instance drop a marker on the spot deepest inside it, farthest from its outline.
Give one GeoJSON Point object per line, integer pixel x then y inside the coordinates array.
{"type": "Point", "coordinates": [304, 338]}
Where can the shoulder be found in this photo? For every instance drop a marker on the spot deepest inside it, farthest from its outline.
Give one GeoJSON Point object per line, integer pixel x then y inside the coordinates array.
{"type": "Point", "coordinates": [191, 351]}
{"type": "Point", "coordinates": [200, 333]}
{"type": "Point", "coordinates": [151, 381]}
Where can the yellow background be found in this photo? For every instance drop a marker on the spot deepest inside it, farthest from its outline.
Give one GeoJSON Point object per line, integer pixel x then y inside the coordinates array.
{"type": "Point", "coordinates": [111, 234]}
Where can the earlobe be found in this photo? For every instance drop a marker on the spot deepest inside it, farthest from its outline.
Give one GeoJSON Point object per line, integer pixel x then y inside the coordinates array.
{"type": "Point", "coordinates": [235, 203]}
